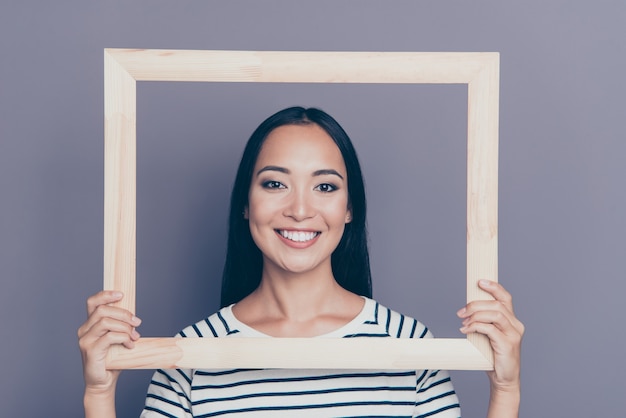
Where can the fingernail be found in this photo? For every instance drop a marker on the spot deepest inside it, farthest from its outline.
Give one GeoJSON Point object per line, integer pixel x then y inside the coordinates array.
{"type": "Point", "coordinates": [117, 294]}
{"type": "Point", "coordinates": [461, 312]}
{"type": "Point", "coordinates": [135, 335]}
{"type": "Point", "coordinates": [463, 329]}
{"type": "Point", "coordinates": [136, 321]}
{"type": "Point", "coordinates": [485, 283]}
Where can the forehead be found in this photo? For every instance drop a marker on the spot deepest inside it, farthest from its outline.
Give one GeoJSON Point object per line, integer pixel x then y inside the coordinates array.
{"type": "Point", "coordinates": [300, 145]}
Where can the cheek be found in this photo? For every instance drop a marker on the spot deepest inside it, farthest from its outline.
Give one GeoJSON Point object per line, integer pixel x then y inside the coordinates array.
{"type": "Point", "coordinates": [337, 212]}
{"type": "Point", "coordinates": [255, 205]}
{"type": "Point", "coordinates": [261, 214]}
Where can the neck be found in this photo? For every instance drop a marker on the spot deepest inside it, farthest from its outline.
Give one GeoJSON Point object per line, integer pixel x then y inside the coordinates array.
{"type": "Point", "coordinates": [298, 305]}
{"type": "Point", "coordinates": [298, 296]}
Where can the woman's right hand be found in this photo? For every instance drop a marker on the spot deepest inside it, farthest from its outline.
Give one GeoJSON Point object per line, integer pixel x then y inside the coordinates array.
{"type": "Point", "coordinates": [106, 325]}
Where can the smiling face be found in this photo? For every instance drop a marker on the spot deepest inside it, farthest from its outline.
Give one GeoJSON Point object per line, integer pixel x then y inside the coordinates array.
{"type": "Point", "coordinates": [298, 199]}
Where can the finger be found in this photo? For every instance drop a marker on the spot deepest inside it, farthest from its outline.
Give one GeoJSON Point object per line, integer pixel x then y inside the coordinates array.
{"type": "Point", "coordinates": [90, 347]}
{"type": "Point", "coordinates": [107, 311]}
{"type": "Point", "coordinates": [113, 338]}
{"type": "Point", "coordinates": [491, 305]}
{"type": "Point", "coordinates": [501, 342]}
{"type": "Point", "coordinates": [497, 318]}
{"type": "Point", "coordinates": [97, 350]}
{"type": "Point", "coordinates": [108, 325]}
{"type": "Point", "coordinates": [506, 348]}
{"type": "Point", "coordinates": [498, 292]}
{"type": "Point", "coordinates": [490, 330]}
{"type": "Point", "coordinates": [102, 298]}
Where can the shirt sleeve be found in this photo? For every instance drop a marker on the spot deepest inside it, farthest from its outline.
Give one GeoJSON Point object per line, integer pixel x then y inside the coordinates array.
{"type": "Point", "coordinates": [436, 396]}
{"type": "Point", "coordinates": [168, 394]}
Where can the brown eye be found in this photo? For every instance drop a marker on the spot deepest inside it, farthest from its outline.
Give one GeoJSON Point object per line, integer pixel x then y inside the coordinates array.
{"type": "Point", "coordinates": [273, 184]}
{"type": "Point", "coordinates": [326, 188]}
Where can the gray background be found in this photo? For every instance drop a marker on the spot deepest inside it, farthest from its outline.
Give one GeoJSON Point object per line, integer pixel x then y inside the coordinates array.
{"type": "Point", "coordinates": [562, 169]}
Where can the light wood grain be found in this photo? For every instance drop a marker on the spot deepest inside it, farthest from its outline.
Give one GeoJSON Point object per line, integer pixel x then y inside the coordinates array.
{"type": "Point", "coordinates": [306, 67]}
{"type": "Point", "coordinates": [482, 188]}
{"type": "Point", "coordinates": [120, 168]}
{"type": "Point", "coordinates": [480, 71]}
{"type": "Point", "coordinates": [312, 353]}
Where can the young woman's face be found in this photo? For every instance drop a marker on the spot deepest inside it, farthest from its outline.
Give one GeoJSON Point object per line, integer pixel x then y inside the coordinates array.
{"type": "Point", "coordinates": [298, 199]}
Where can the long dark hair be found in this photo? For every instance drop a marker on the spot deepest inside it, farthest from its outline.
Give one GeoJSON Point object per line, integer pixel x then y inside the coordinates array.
{"type": "Point", "coordinates": [244, 262]}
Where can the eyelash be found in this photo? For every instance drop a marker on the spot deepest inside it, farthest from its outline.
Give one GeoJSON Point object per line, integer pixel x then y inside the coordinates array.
{"type": "Point", "coordinates": [324, 187]}
{"type": "Point", "coordinates": [330, 186]}
{"type": "Point", "coordinates": [273, 184]}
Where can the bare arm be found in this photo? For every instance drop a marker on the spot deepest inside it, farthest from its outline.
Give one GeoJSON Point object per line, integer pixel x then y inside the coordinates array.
{"type": "Point", "coordinates": [106, 325]}
{"type": "Point", "coordinates": [497, 321]}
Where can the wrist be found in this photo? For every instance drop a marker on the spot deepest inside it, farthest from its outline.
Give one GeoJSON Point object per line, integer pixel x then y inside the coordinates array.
{"type": "Point", "coordinates": [505, 401]}
{"type": "Point", "coordinates": [99, 402]}
{"type": "Point", "coordinates": [506, 390]}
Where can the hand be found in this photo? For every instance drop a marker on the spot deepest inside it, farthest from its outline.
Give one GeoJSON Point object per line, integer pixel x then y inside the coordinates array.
{"type": "Point", "coordinates": [106, 326]}
{"type": "Point", "coordinates": [496, 320]}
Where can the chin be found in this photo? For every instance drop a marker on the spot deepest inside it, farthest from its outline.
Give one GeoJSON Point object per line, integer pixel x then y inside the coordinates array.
{"type": "Point", "coordinates": [304, 267]}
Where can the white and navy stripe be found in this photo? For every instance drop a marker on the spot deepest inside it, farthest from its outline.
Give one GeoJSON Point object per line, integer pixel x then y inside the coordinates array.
{"type": "Point", "coordinates": [304, 393]}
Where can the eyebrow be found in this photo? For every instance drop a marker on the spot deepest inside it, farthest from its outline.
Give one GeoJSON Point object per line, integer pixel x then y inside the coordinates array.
{"type": "Point", "coordinates": [325, 171]}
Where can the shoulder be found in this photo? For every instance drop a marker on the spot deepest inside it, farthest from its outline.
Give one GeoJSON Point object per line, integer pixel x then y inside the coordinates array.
{"type": "Point", "coordinates": [379, 321]}
{"type": "Point", "coordinates": [375, 320]}
{"type": "Point", "coordinates": [220, 324]}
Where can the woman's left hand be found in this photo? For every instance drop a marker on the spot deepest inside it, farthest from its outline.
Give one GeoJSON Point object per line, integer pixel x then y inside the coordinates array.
{"type": "Point", "coordinates": [496, 320]}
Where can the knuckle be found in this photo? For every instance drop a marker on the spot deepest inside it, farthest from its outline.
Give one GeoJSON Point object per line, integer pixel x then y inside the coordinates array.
{"type": "Point", "coordinates": [101, 311]}
{"type": "Point", "coordinates": [82, 344]}
{"type": "Point", "coordinates": [91, 303]}
{"type": "Point", "coordinates": [506, 297]}
{"type": "Point", "coordinates": [117, 338]}
{"type": "Point", "coordinates": [503, 305]}
{"type": "Point", "coordinates": [128, 316]}
{"type": "Point", "coordinates": [107, 322]}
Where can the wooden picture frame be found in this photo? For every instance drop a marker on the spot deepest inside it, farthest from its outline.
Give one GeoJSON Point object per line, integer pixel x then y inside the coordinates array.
{"type": "Point", "coordinates": [124, 67]}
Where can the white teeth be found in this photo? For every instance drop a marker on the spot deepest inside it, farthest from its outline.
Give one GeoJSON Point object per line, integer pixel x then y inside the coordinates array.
{"type": "Point", "coordinates": [298, 236]}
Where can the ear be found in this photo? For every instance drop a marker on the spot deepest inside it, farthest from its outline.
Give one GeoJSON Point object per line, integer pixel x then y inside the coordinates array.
{"type": "Point", "coordinates": [245, 213]}
{"type": "Point", "coordinates": [349, 216]}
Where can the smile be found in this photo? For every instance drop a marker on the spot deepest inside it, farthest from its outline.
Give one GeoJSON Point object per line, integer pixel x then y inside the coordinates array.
{"type": "Point", "coordinates": [297, 236]}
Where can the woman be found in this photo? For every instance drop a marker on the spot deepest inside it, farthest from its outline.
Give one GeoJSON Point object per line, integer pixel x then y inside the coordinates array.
{"type": "Point", "coordinates": [298, 220]}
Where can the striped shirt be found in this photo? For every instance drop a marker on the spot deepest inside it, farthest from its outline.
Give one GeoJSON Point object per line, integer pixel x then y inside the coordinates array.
{"type": "Point", "coordinates": [304, 393]}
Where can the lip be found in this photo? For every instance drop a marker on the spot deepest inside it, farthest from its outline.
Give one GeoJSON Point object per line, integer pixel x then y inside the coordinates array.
{"type": "Point", "coordinates": [298, 244]}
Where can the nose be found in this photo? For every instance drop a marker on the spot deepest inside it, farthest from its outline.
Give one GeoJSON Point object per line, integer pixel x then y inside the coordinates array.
{"type": "Point", "coordinates": [299, 206]}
